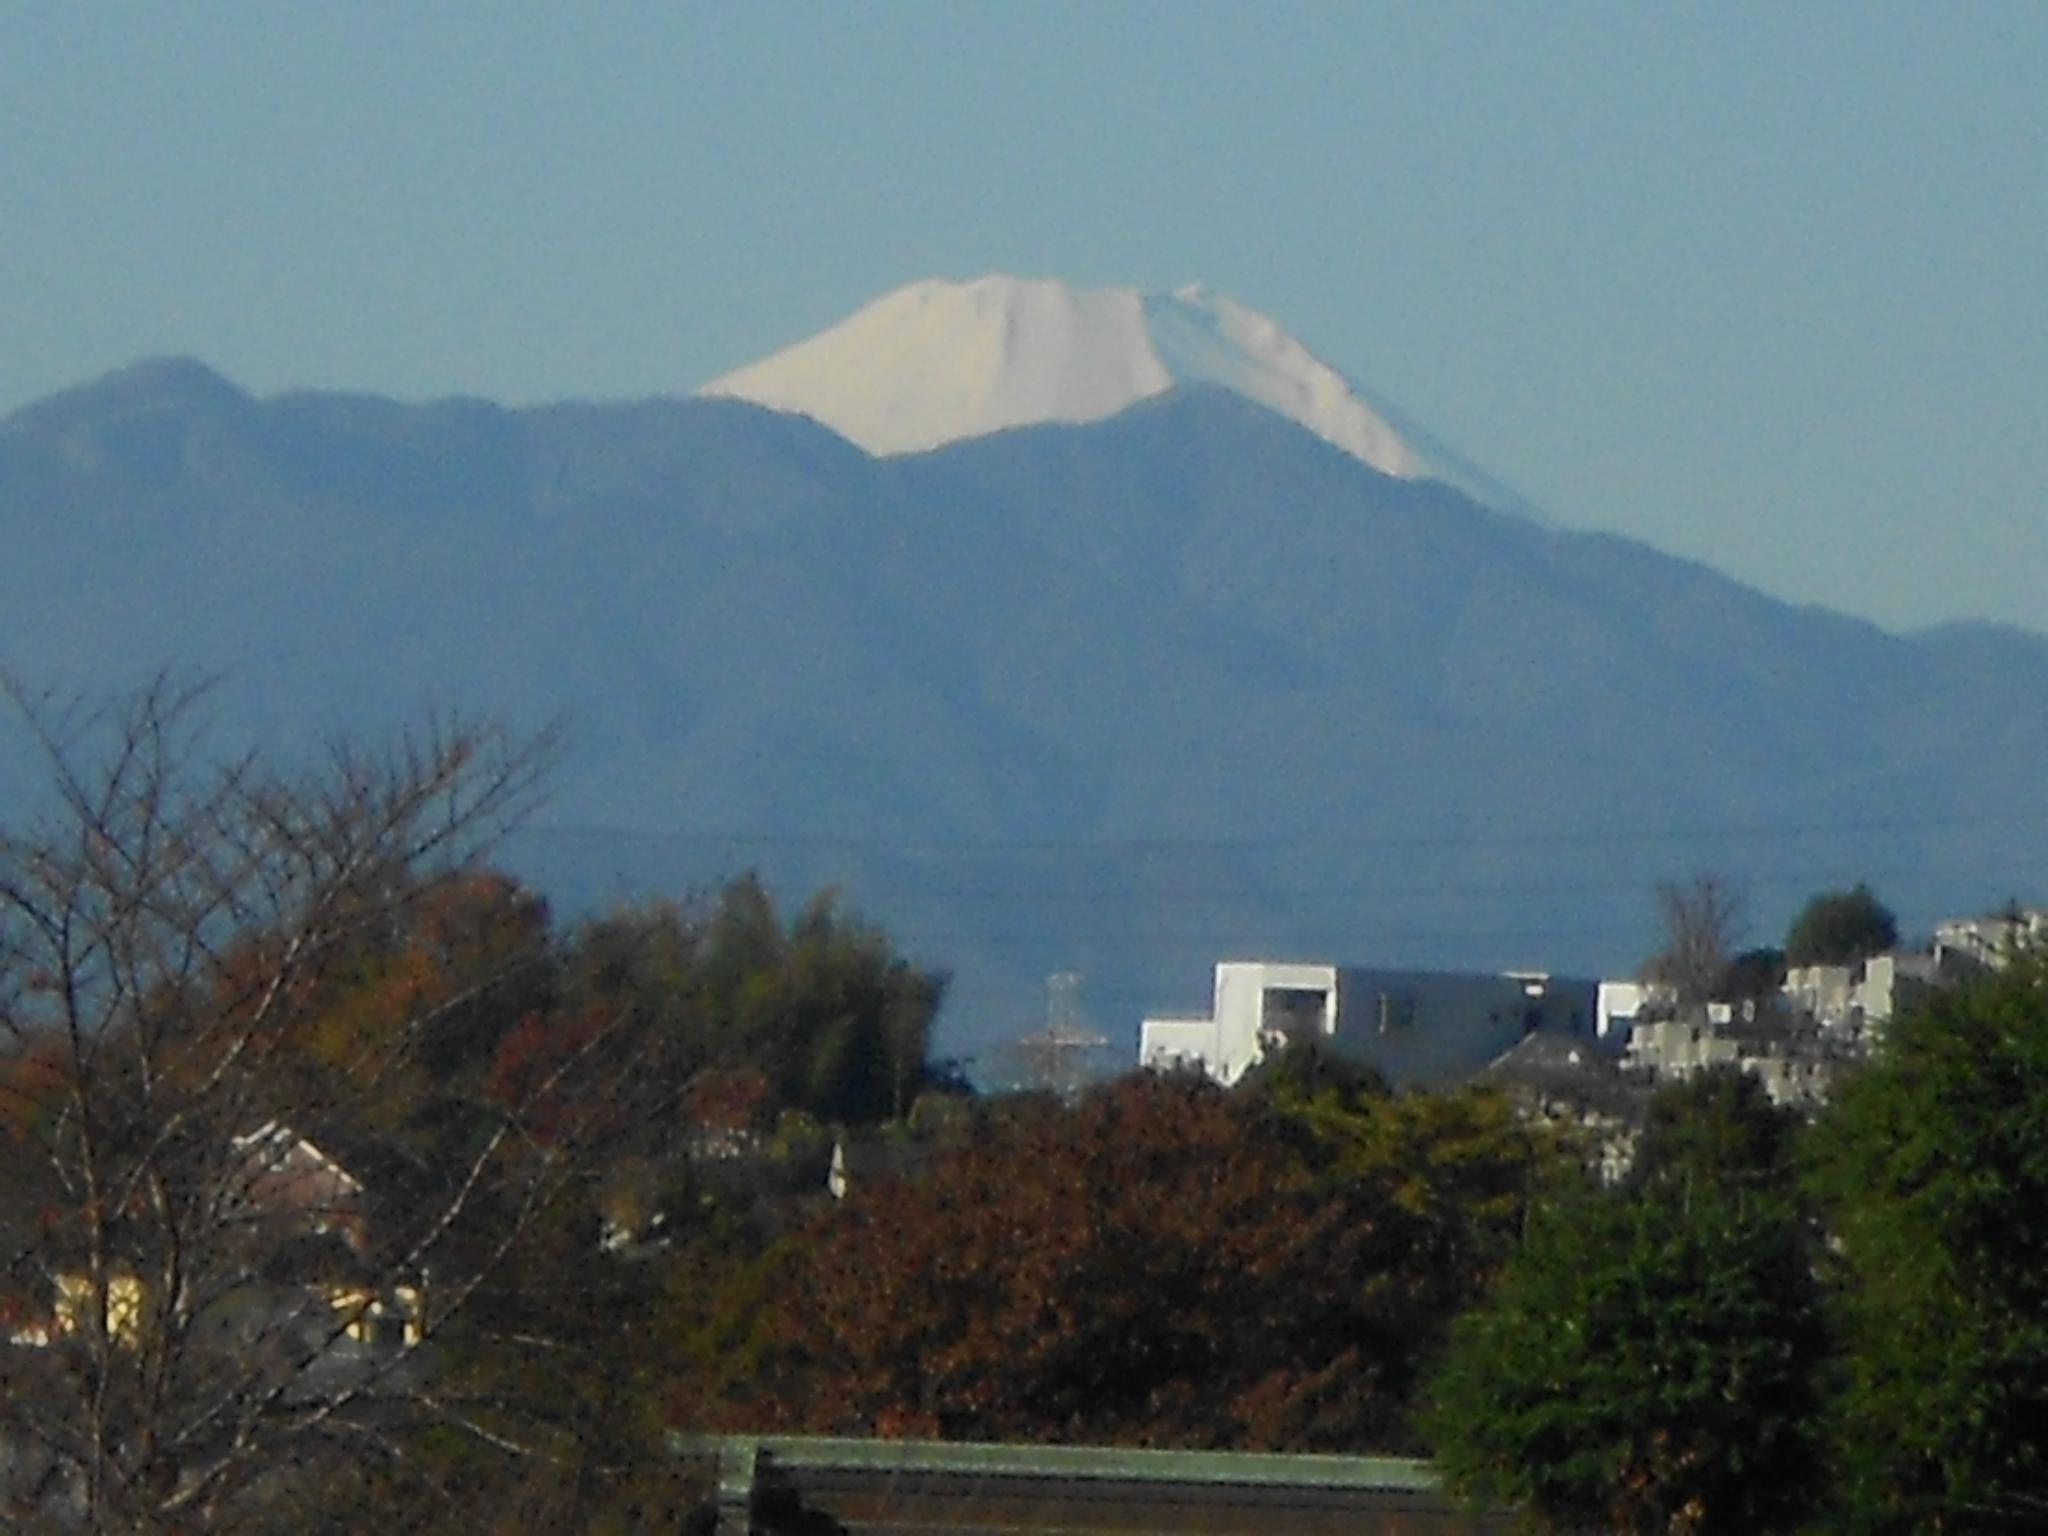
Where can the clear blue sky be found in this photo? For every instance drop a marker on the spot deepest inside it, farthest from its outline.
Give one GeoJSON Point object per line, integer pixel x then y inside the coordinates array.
{"type": "Point", "coordinates": [1765, 285]}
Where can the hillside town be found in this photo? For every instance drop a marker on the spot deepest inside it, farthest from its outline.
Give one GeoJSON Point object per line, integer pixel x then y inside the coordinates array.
{"type": "Point", "coordinates": [1595, 1052]}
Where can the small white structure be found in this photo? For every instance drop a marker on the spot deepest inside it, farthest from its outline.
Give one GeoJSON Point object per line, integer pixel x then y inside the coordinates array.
{"type": "Point", "coordinates": [1887, 980]}
{"type": "Point", "coordinates": [1257, 1003]}
{"type": "Point", "coordinates": [1824, 991]}
{"type": "Point", "coordinates": [1619, 1005]}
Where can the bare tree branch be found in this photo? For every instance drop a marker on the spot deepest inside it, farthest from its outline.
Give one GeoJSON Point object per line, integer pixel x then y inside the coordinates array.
{"type": "Point", "coordinates": [203, 967]}
{"type": "Point", "coordinates": [1702, 921]}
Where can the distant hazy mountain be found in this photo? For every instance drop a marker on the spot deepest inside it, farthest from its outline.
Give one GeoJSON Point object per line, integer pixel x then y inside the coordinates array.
{"type": "Point", "coordinates": [1121, 698]}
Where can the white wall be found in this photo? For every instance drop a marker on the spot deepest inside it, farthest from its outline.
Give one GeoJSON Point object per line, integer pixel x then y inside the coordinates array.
{"type": "Point", "coordinates": [1227, 1043]}
{"type": "Point", "coordinates": [1168, 1041]}
{"type": "Point", "coordinates": [1619, 1004]}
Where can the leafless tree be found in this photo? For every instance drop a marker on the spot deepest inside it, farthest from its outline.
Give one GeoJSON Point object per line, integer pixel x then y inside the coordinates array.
{"type": "Point", "coordinates": [192, 1301]}
{"type": "Point", "coordinates": [1702, 920]}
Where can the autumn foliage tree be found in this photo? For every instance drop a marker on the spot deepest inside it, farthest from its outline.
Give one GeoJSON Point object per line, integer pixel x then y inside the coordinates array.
{"type": "Point", "coordinates": [1162, 1263]}
{"type": "Point", "coordinates": [228, 991]}
{"type": "Point", "coordinates": [649, 1061]}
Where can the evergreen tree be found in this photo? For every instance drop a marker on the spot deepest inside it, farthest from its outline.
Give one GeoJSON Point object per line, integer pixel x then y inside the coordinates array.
{"type": "Point", "coordinates": [1841, 928]}
{"type": "Point", "coordinates": [1648, 1361]}
{"type": "Point", "coordinates": [1933, 1170]}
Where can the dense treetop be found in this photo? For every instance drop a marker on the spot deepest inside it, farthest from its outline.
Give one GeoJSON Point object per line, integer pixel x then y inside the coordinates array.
{"type": "Point", "coordinates": [1649, 1361]}
{"type": "Point", "coordinates": [1841, 928]}
{"type": "Point", "coordinates": [1932, 1170]}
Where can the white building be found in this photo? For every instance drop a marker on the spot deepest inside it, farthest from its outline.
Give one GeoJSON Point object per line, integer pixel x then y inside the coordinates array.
{"type": "Point", "coordinates": [1620, 1004]}
{"type": "Point", "coordinates": [1991, 941]}
{"type": "Point", "coordinates": [1412, 1026]}
{"type": "Point", "coordinates": [1257, 1003]}
{"type": "Point", "coordinates": [1861, 996]}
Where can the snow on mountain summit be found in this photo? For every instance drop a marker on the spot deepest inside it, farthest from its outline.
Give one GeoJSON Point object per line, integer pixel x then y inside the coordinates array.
{"type": "Point", "coordinates": [938, 361]}
{"type": "Point", "coordinates": [1209, 339]}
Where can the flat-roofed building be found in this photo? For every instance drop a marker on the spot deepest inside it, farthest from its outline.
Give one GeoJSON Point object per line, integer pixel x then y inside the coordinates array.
{"type": "Point", "coordinates": [1411, 1026]}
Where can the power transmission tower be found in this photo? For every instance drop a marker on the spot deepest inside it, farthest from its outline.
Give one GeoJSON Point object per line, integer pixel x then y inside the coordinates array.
{"type": "Point", "coordinates": [1057, 1056]}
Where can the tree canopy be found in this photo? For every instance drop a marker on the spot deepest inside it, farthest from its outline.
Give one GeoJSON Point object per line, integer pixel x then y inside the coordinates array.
{"type": "Point", "coordinates": [218, 979]}
{"type": "Point", "coordinates": [1841, 928]}
{"type": "Point", "coordinates": [752, 1016]}
{"type": "Point", "coordinates": [1649, 1360]}
{"type": "Point", "coordinates": [332, 1178]}
{"type": "Point", "coordinates": [1933, 1174]}
{"type": "Point", "coordinates": [1163, 1262]}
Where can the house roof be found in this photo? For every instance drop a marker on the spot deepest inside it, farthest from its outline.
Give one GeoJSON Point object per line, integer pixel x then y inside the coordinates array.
{"type": "Point", "coordinates": [1567, 1069]}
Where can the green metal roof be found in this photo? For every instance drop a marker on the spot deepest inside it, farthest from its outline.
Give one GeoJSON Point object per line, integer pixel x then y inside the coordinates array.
{"type": "Point", "coordinates": [815, 1453]}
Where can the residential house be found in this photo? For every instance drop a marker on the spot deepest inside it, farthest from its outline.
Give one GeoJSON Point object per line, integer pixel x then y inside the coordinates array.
{"type": "Point", "coordinates": [1563, 1080]}
{"type": "Point", "coordinates": [280, 1189]}
{"type": "Point", "coordinates": [285, 1183]}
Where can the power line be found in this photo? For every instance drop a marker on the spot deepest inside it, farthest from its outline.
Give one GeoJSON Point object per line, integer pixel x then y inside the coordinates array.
{"type": "Point", "coordinates": [1803, 829]}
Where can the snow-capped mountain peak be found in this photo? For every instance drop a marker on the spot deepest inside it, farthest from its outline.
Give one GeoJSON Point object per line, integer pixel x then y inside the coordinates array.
{"type": "Point", "coordinates": [1205, 338]}
{"type": "Point", "coordinates": [938, 361]}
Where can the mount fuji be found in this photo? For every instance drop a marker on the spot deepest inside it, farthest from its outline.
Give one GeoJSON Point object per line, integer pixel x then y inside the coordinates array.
{"type": "Point", "coordinates": [938, 362]}
{"type": "Point", "coordinates": [1062, 630]}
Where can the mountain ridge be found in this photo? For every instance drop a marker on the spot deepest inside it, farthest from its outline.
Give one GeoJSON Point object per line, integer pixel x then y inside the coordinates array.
{"type": "Point", "coordinates": [1119, 697]}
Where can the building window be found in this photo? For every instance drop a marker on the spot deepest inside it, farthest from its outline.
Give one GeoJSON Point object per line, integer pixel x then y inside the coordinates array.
{"type": "Point", "coordinates": [1294, 1013]}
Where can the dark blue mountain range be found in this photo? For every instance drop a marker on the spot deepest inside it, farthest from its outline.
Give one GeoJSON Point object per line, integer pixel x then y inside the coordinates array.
{"type": "Point", "coordinates": [1120, 699]}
